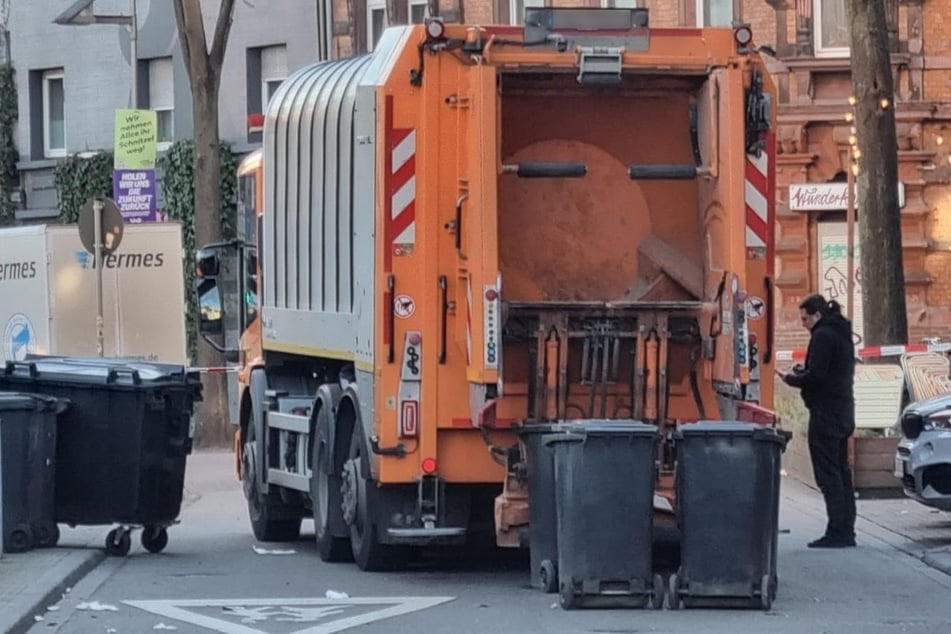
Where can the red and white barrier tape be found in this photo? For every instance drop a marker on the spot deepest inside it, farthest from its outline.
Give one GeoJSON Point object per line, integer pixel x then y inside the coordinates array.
{"type": "Point", "coordinates": [871, 352]}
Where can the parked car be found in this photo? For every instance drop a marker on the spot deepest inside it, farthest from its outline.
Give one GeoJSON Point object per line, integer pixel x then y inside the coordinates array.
{"type": "Point", "coordinates": [923, 458]}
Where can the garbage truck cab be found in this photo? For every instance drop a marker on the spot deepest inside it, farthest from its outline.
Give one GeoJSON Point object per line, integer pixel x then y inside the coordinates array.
{"type": "Point", "coordinates": [478, 228]}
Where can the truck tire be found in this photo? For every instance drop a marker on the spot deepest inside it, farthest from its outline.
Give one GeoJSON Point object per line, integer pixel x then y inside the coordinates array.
{"type": "Point", "coordinates": [325, 501]}
{"type": "Point", "coordinates": [359, 491]}
{"type": "Point", "coordinates": [271, 519]}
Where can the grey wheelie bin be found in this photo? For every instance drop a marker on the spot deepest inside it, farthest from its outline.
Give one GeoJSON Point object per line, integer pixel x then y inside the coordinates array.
{"type": "Point", "coordinates": [604, 478]}
{"type": "Point", "coordinates": [28, 445]}
{"type": "Point", "coordinates": [727, 483]}
{"type": "Point", "coordinates": [122, 443]}
{"type": "Point", "coordinates": [540, 475]}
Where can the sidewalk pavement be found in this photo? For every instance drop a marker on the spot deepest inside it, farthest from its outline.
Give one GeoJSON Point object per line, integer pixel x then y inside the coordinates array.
{"type": "Point", "coordinates": [29, 582]}
{"type": "Point", "coordinates": [34, 580]}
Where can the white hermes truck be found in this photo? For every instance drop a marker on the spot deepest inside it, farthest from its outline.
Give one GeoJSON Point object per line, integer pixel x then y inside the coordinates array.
{"type": "Point", "coordinates": [48, 294]}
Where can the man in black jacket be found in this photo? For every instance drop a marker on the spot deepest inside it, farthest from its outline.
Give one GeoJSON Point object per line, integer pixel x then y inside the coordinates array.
{"type": "Point", "coordinates": [826, 387]}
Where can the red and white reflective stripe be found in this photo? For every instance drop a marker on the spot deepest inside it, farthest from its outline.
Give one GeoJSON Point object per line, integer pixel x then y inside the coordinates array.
{"type": "Point", "coordinates": [872, 352]}
{"type": "Point", "coordinates": [404, 187]}
{"type": "Point", "coordinates": [215, 370]}
{"type": "Point", "coordinates": [399, 187]}
{"type": "Point", "coordinates": [756, 195]}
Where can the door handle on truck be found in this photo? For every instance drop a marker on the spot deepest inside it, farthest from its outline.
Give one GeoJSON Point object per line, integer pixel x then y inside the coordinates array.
{"type": "Point", "coordinates": [457, 225]}
{"type": "Point", "coordinates": [547, 169]}
{"type": "Point", "coordinates": [770, 323]}
{"type": "Point", "coordinates": [391, 317]}
{"type": "Point", "coordinates": [684, 171]}
{"type": "Point", "coordinates": [444, 323]}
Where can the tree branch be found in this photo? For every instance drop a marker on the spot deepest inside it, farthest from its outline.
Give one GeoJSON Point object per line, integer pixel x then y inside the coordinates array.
{"type": "Point", "coordinates": [183, 33]}
{"type": "Point", "coordinates": [222, 31]}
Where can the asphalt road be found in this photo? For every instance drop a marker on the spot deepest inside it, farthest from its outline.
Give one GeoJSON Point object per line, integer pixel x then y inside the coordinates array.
{"type": "Point", "coordinates": [211, 579]}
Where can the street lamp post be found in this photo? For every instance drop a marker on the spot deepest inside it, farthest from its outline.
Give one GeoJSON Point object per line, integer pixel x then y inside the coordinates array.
{"type": "Point", "coordinates": [134, 54]}
{"type": "Point", "coordinates": [81, 13]}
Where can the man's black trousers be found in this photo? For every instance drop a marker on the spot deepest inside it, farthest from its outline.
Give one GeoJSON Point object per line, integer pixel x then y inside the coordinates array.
{"type": "Point", "coordinates": [830, 465]}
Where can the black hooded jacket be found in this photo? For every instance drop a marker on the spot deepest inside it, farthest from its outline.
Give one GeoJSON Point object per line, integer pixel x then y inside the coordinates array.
{"type": "Point", "coordinates": [826, 382]}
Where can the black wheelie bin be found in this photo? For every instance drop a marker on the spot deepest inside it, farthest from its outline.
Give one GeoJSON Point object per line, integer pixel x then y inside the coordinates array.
{"type": "Point", "coordinates": [28, 447]}
{"type": "Point", "coordinates": [122, 443]}
{"type": "Point", "coordinates": [727, 484]}
{"type": "Point", "coordinates": [542, 523]}
{"type": "Point", "coordinates": [604, 478]}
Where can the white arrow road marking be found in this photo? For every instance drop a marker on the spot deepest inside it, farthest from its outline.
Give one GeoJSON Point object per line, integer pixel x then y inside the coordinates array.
{"type": "Point", "coordinates": [252, 611]}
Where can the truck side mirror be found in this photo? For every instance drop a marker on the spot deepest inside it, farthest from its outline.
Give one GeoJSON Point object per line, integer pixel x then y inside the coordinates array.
{"type": "Point", "coordinates": [206, 262]}
{"type": "Point", "coordinates": [210, 311]}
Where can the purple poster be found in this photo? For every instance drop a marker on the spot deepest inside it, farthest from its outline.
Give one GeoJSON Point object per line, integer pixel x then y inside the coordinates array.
{"type": "Point", "coordinates": [134, 193]}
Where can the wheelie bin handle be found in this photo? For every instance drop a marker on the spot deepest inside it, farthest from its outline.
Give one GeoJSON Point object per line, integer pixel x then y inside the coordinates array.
{"type": "Point", "coordinates": [19, 368]}
{"type": "Point", "coordinates": [115, 373]}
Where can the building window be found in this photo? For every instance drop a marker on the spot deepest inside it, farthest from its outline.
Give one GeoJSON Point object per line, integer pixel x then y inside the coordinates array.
{"type": "Point", "coordinates": [162, 100]}
{"type": "Point", "coordinates": [518, 9]}
{"type": "Point", "coordinates": [376, 21]}
{"type": "Point", "coordinates": [273, 71]}
{"type": "Point", "coordinates": [54, 114]}
{"type": "Point", "coordinates": [714, 12]}
{"type": "Point", "coordinates": [831, 28]}
{"type": "Point", "coordinates": [619, 4]}
{"type": "Point", "coordinates": [418, 11]}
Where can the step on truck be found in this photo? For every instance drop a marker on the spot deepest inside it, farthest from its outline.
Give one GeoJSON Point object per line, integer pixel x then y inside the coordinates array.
{"type": "Point", "coordinates": [476, 228]}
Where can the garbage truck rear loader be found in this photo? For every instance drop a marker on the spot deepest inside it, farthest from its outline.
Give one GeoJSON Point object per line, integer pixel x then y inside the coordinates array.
{"type": "Point", "coordinates": [474, 229]}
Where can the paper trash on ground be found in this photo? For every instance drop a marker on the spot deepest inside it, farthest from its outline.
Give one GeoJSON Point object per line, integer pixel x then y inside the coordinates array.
{"type": "Point", "coordinates": [95, 606]}
{"type": "Point", "coordinates": [265, 551]}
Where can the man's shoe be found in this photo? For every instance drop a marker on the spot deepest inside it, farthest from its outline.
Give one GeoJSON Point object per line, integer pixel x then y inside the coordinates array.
{"type": "Point", "coordinates": [833, 542]}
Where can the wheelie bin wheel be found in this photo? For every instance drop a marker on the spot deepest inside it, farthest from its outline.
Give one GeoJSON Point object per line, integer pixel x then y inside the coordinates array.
{"type": "Point", "coordinates": [673, 593]}
{"type": "Point", "coordinates": [47, 535]}
{"type": "Point", "coordinates": [765, 595]}
{"type": "Point", "coordinates": [20, 539]}
{"type": "Point", "coordinates": [657, 596]}
{"type": "Point", "coordinates": [548, 575]}
{"type": "Point", "coordinates": [154, 539]}
{"type": "Point", "coordinates": [568, 599]}
{"type": "Point", "coordinates": [118, 543]}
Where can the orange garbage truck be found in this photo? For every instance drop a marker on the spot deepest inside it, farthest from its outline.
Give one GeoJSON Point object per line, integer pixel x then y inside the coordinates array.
{"type": "Point", "coordinates": [478, 228]}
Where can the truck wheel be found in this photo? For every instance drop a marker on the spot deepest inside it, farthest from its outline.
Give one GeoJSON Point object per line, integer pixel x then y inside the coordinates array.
{"type": "Point", "coordinates": [271, 519]}
{"type": "Point", "coordinates": [325, 501]}
{"type": "Point", "coordinates": [367, 550]}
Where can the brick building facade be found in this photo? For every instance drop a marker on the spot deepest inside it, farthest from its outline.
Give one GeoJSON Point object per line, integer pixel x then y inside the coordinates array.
{"type": "Point", "coordinates": [812, 72]}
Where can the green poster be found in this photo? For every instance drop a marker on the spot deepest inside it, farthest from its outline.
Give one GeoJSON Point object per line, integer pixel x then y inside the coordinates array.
{"type": "Point", "coordinates": [136, 132]}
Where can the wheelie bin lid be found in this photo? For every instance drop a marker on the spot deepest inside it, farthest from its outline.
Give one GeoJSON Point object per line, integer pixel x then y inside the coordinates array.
{"type": "Point", "coordinates": [98, 371]}
{"type": "Point", "coordinates": [731, 428]}
{"type": "Point", "coordinates": [582, 429]}
{"type": "Point", "coordinates": [23, 401]}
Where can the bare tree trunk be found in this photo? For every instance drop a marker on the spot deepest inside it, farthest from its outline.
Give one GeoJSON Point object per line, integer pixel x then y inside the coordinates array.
{"type": "Point", "coordinates": [879, 217]}
{"type": "Point", "coordinates": [204, 72]}
{"type": "Point", "coordinates": [215, 426]}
